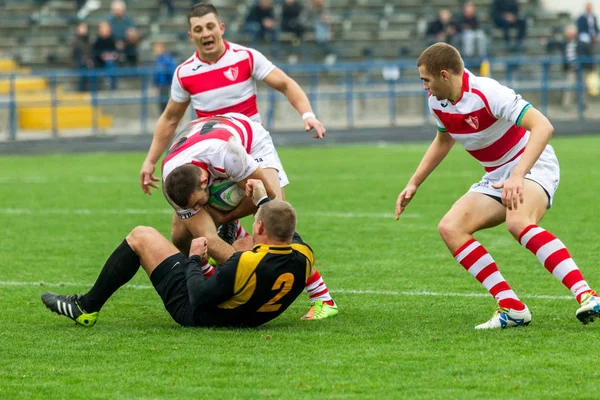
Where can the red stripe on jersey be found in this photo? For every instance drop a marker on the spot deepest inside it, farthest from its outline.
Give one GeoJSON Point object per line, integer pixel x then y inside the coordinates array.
{"type": "Point", "coordinates": [473, 122]}
{"type": "Point", "coordinates": [249, 130]}
{"type": "Point", "coordinates": [221, 170]}
{"type": "Point", "coordinates": [490, 169]}
{"type": "Point", "coordinates": [500, 147]}
{"type": "Point", "coordinates": [218, 78]}
{"type": "Point", "coordinates": [217, 60]}
{"type": "Point", "coordinates": [221, 134]}
{"type": "Point", "coordinates": [250, 58]}
{"type": "Point", "coordinates": [200, 164]}
{"type": "Point", "coordinates": [247, 107]}
{"type": "Point", "coordinates": [238, 130]}
{"type": "Point", "coordinates": [483, 98]}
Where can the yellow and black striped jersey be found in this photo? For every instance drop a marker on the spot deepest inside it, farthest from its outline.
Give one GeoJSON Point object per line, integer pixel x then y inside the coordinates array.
{"type": "Point", "coordinates": [252, 287]}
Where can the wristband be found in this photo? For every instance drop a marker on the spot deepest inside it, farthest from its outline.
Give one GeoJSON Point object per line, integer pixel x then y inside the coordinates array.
{"type": "Point", "coordinates": [262, 201]}
{"type": "Point", "coordinates": [308, 115]}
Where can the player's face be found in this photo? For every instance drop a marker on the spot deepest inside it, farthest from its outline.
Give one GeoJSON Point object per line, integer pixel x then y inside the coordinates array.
{"type": "Point", "coordinates": [436, 85]}
{"type": "Point", "coordinates": [207, 34]}
{"type": "Point", "coordinates": [198, 199]}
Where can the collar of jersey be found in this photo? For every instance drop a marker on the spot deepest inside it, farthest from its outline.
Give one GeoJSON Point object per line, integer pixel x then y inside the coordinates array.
{"type": "Point", "coordinates": [273, 248]}
{"type": "Point", "coordinates": [465, 86]}
{"type": "Point", "coordinates": [217, 60]}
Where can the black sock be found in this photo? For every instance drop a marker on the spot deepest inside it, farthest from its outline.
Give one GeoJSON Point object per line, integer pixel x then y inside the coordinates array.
{"type": "Point", "coordinates": [120, 267]}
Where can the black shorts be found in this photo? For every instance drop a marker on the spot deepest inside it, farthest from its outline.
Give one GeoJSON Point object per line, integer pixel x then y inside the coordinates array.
{"type": "Point", "coordinates": [170, 284]}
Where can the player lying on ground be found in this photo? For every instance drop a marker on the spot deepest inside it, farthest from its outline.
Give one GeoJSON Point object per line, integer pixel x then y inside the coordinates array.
{"type": "Point", "coordinates": [250, 289]}
{"type": "Point", "coordinates": [234, 147]}
{"type": "Point", "coordinates": [510, 139]}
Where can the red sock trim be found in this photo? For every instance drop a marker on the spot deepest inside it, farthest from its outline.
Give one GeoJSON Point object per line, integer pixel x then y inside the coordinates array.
{"type": "Point", "coordinates": [313, 278]}
{"type": "Point", "coordinates": [527, 229]}
{"type": "Point", "coordinates": [511, 303]}
{"type": "Point", "coordinates": [464, 246]}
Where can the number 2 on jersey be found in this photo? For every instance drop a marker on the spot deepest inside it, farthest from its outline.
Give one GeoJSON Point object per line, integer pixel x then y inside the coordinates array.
{"type": "Point", "coordinates": [284, 285]}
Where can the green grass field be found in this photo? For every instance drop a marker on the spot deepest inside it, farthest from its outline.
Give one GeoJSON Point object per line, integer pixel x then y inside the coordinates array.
{"type": "Point", "coordinates": [407, 308]}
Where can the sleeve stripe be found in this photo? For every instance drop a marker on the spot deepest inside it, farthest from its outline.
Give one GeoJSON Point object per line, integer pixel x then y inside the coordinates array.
{"type": "Point", "coordinates": [439, 128]}
{"type": "Point", "coordinates": [527, 107]}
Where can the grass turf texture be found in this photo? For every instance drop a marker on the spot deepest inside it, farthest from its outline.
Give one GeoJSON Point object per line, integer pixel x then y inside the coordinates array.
{"type": "Point", "coordinates": [62, 216]}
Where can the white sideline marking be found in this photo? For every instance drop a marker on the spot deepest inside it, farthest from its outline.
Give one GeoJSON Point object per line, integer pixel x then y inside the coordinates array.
{"type": "Point", "coordinates": [341, 291]}
{"type": "Point", "coordinates": [141, 211]}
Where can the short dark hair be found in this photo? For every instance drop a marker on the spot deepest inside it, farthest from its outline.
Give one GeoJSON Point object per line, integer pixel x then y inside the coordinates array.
{"type": "Point", "coordinates": [279, 219]}
{"type": "Point", "coordinates": [182, 182]}
{"type": "Point", "coordinates": [200, 10]}
{"type": "Point", "coordinates": [441, 56]}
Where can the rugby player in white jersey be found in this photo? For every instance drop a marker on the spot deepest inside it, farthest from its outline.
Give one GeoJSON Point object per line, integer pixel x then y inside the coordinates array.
{"type": "Point", "coordinates": [510, 139]}
{"type": "Point", "coordinates": [220, 77]}
{"type": "Point", "coordinates": [234, 147]}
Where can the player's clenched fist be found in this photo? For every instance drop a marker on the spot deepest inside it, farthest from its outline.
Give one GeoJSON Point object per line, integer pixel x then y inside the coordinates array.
{"type": "Point", "coordinates": [404, 198]}
{"type": "Point", "coordinates": [199, 247]}
{"type": "Point", "coordinates": [255, 189]}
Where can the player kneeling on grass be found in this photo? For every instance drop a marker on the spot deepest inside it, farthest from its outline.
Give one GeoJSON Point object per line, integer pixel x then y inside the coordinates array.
{"type": "Point", "coordinates": [510, 139]}
{"type": "Point", "coordinates": [232, 147]}
{"type": "Point", "coordinates": [250, 289]}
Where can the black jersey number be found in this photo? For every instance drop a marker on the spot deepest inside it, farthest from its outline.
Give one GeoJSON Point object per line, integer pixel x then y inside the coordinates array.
{"type": "Point", "coordinates": [284, 285]}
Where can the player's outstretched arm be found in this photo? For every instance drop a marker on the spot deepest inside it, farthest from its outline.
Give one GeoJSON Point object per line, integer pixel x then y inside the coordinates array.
{"type": "Point", "coordinates": [165, 129]}
{"type": "Point", "coordinates": [279, 81]}
{"type": "Point", "coordinates": [437, 151]}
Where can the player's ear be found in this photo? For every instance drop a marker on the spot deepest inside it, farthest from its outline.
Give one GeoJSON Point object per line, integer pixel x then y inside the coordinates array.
{"type": "Point", "coordinates": [260, 227]}
{"type": "Point", "coordinates": [445, 75]}
{"type": "Point", "coordinates": [203, 180]}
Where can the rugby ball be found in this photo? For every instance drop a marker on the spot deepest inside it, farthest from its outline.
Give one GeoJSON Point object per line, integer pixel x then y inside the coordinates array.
{"type": "Point", "coordinates": [225, 194]}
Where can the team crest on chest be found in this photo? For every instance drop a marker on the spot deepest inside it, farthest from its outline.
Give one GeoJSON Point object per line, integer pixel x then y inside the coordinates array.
{"type": "Point", "coordinates": [231, 73]}
{"type": "Point", "coordinates": [473, 122]}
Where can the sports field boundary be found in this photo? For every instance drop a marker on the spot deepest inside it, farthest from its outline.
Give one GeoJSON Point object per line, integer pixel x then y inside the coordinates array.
{"type": "Point", "coordinates": [141, 142]}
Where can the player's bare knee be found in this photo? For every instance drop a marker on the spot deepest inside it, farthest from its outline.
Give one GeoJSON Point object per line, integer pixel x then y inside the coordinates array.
{"type": "Point", "coordinates": [516, 225]}
{"type": "Point", "coordinates": [139, 236]}
{"type": "Point", "coordinates": [447, 229]}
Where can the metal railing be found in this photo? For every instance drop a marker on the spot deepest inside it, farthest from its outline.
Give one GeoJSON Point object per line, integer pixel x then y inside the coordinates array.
{"type": "Point", "coordinates": [347, 82]}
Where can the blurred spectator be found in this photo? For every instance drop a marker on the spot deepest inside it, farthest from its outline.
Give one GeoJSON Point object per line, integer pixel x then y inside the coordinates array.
{"type": "Point", "coordinates": [505, 14]}
{"type": "Point", "coordinates": [119, 22]}
{"type": "Point", "coordinates": [321, 22]}
{"type": "Point", "coordinates": [443, 29]}
{"type": "Point", "coordinates": [472, 36]}
{"type": "Point", "coordinates": [170, 6]}
{"type": "Point", "coordinates": [164, 68]}
{"type": "Point", "coordinates": [86, 7]}
{"type": "Point", "coordinates": [261, 21]}
{"type": "Point", "coordinates": [290, 18]}
{"type": "Point", "coordinates": [587, 25]}
{"type": "Point", "coordinates": [574, 52]}
{"type": "Point", "coordinates": [82, 54]}
{"type": "Point", "coordinates": [129, 54]}
{"type": "Point", "coordinates": [105, 52]}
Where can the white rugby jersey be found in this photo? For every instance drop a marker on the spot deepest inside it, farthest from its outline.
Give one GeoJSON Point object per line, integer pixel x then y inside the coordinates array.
{"type": "Point", "coordinates": [485, 120]}
{"type": "Point", "coordinates": [225, 86]}
{"type": "Point", "coordinates": [219, 144]}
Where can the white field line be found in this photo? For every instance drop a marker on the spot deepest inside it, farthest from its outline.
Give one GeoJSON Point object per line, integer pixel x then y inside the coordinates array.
{"type": "Point", "coordinates": [422, 293]}
{"type": "Point", "coordinates": [141, 211]}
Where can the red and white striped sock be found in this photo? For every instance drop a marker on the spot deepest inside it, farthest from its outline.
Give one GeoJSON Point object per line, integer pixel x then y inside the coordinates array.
{"type": "Point", "coordinates": [475, 259]}
{"type": "Point", "coordinates": [207, 270]}
{"type": "Point", "coordinates": [317, 290]}
{"type": "Point", "coordinates": [241, 233]}
{"type": "Point", "coordinates": [555, 257]}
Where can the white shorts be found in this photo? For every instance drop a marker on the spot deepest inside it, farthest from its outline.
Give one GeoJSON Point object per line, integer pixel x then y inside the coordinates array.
{"type": "Point", "coordinates": [545, 172]}
{"type": "Point", "coordinates": [264, 153]}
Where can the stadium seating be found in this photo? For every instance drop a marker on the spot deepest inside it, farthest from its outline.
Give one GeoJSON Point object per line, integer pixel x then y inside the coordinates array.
{"type": "Point", "coordinates": [40, 35]}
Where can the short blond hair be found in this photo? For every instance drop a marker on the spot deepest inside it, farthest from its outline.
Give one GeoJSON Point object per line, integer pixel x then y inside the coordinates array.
{"type": "Point", "coordinates": [279, 220]}
{"type": "Point", "coordinates": [441, 56]}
